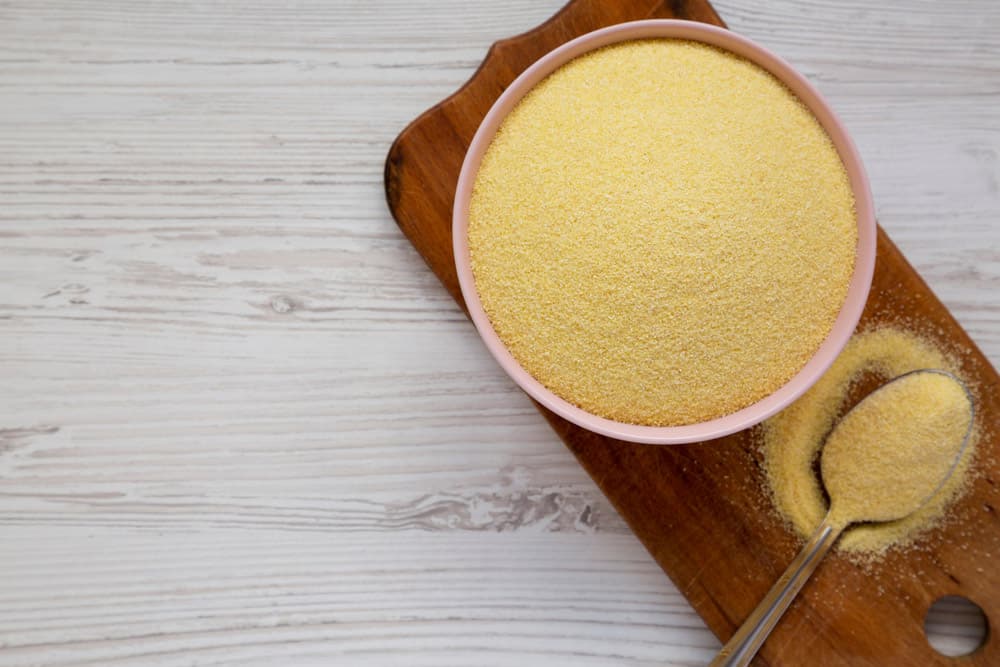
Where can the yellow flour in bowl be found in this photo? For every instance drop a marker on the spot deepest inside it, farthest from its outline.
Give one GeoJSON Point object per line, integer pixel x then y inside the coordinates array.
{"type": "Point", "coordinates": [661, 233]}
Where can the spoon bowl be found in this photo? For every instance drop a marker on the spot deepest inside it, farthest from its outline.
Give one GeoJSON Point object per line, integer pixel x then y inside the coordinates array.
{"type": "Point", "coordinates": [877, 472]}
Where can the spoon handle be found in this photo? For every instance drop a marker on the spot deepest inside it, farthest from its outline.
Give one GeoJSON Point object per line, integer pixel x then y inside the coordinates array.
{"type": "Point", "coordinates": [743, 646]}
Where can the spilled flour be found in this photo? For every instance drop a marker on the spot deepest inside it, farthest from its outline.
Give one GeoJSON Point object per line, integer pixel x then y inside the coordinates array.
{"type": "Point", "coordinates": [793, 438]}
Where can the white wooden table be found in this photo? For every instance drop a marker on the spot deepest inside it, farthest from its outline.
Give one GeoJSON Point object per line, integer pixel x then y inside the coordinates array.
{"type": "Point", "coordinates": [240, 421]}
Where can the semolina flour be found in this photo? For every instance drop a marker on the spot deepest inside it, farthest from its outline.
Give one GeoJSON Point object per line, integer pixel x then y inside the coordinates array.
{"type": "Point", "coordinates": [661, 233]}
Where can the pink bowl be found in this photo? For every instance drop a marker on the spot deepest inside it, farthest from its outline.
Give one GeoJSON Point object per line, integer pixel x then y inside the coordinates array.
{"type": "Point", "coordinates": [857, 290]}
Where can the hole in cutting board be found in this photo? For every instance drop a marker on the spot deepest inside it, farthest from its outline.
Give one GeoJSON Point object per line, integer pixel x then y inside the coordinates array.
{"type": "Point", "coordinates": [955, 626]}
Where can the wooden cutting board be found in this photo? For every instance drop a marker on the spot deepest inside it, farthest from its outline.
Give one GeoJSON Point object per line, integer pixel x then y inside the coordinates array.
{"type": "Point", "coordinates": [699, 508]}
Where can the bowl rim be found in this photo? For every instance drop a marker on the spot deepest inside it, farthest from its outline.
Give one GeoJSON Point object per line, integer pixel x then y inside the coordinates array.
{"type": "Point", "coordinates": [858, 287]}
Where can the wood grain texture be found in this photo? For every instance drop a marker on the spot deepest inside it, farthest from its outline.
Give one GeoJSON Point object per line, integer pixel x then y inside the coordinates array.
{"type": "Point", "coordinates": [241, 423]}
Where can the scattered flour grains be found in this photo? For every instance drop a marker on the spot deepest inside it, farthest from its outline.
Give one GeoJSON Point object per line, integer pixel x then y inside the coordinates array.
{"type": "Point", "coordinates": [661, 233]}
{"type": "Point", "coordinates": [793, 439]}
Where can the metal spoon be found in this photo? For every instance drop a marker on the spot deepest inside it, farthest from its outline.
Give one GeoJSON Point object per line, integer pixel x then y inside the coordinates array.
{"type": "Point", "coordinates": [748, 639]}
